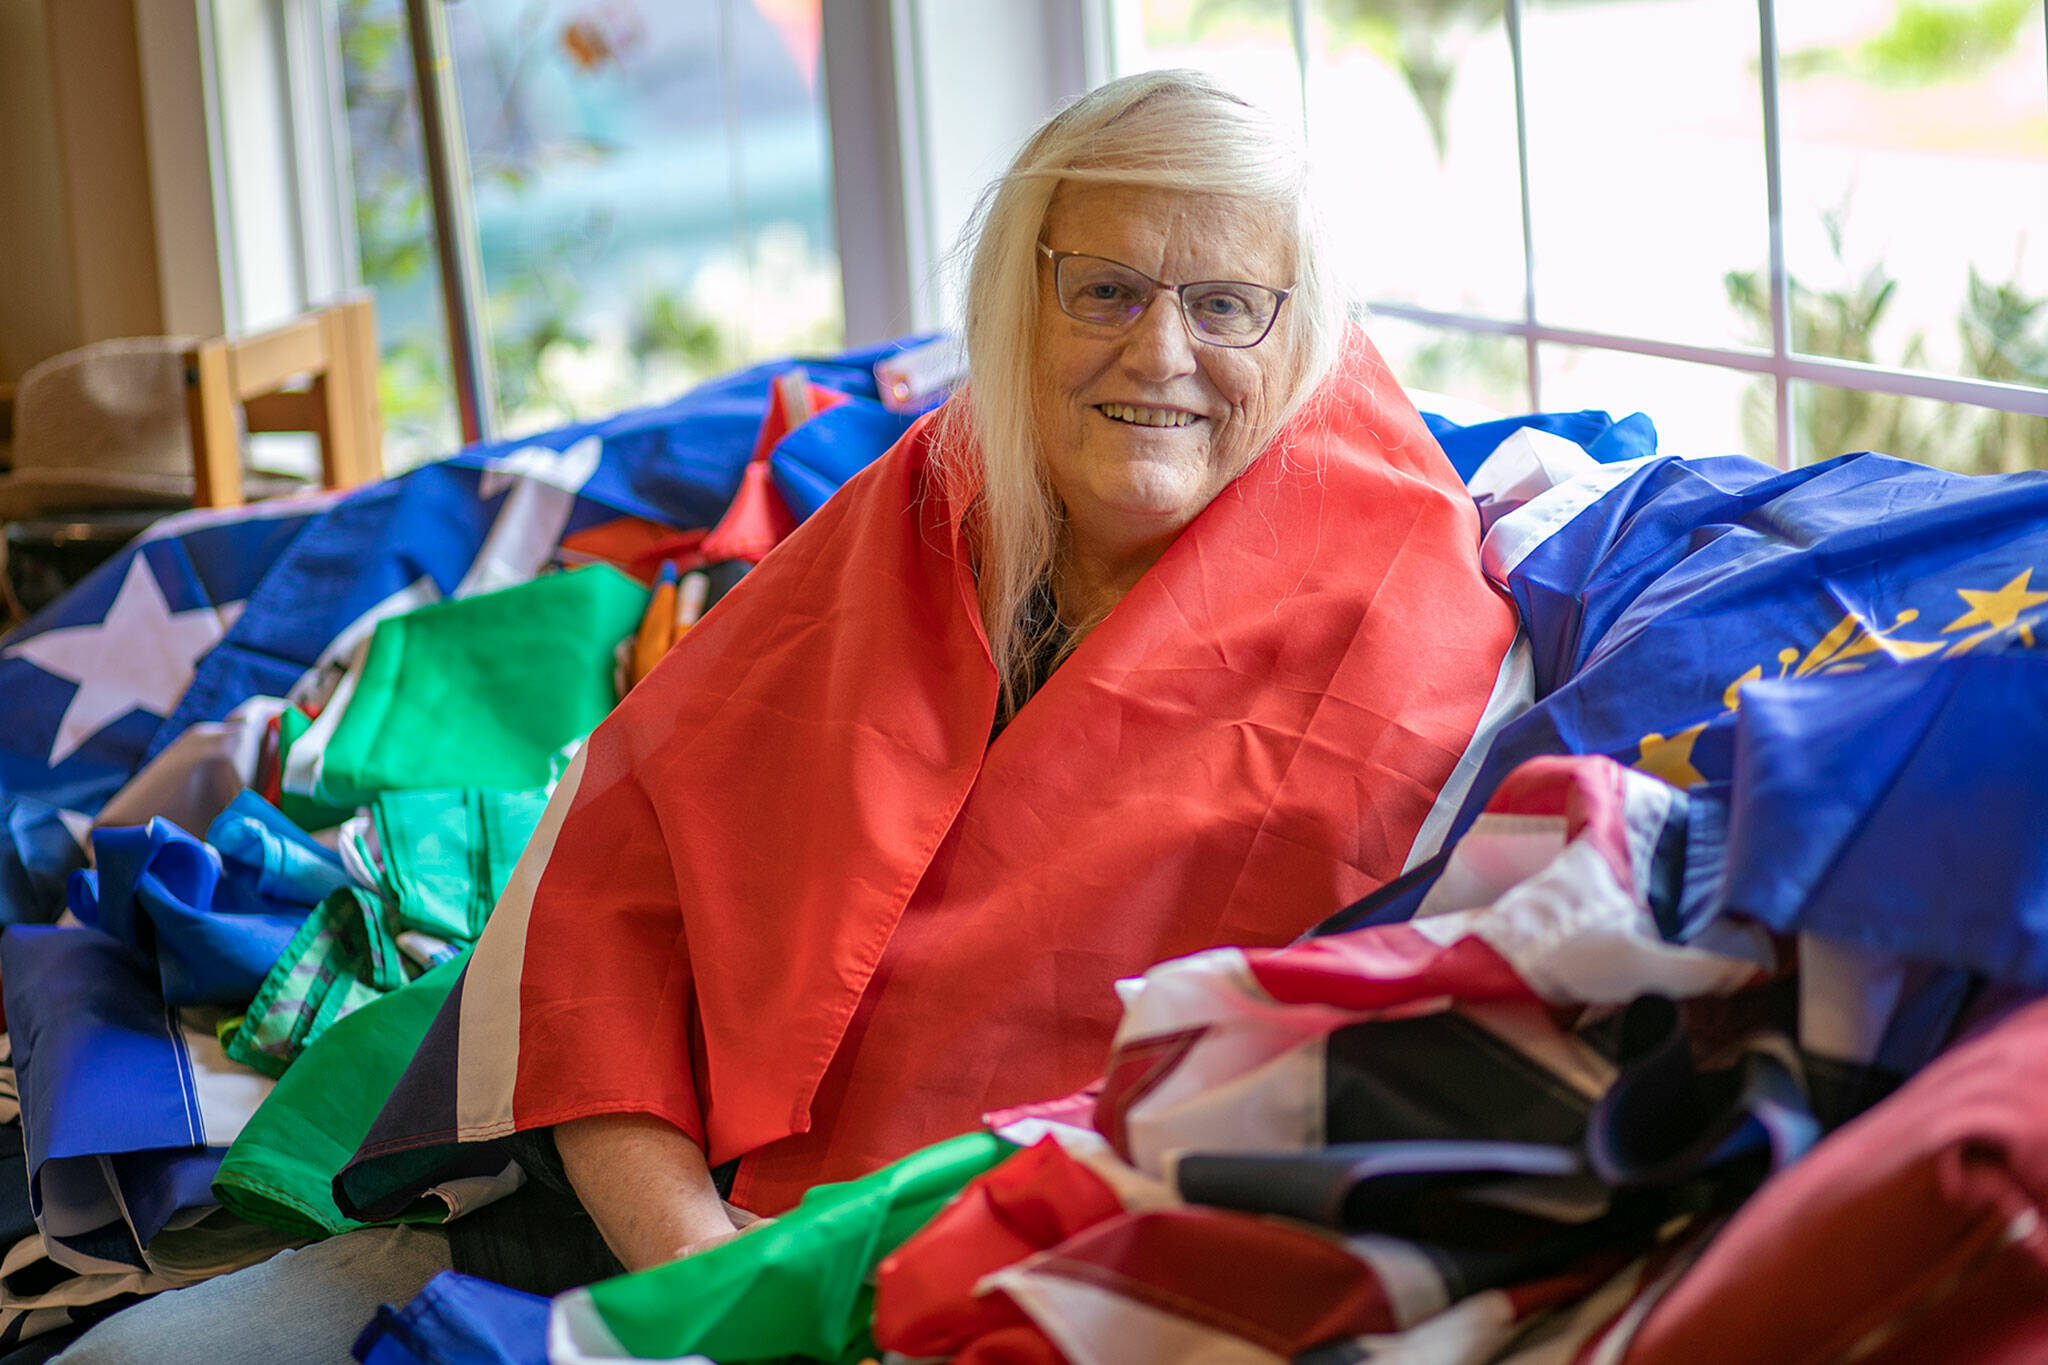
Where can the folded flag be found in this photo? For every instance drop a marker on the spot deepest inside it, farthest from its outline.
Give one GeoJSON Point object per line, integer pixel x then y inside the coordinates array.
{"type": "Point", "coordinates": [1654, 593]}
{"type": "Point", "coordinates": [461, 1320]}
{"type": "Point", "coordinates": [126, 1108]}
{"type": "Point", "coordinates": [41, 845]}
{"type": "Point", "coordinates": [280, 1169]}
{"type": "Point", "coordinates": [1609, 442]}
{"type": "Point", "coordinates": [445, 858]}
{"type": "Point", "coordinates": [1898, 809]}
{"type": "Point", "coordinates": [87, 682]}
{"type": "Point", "coordinates": [212, 926]}
{"type": "Point", "coordinates": [798, 1286]}
{"type": "Point", "coordinates": [487, 691]}
{"type": "Point", "coordinates": [1912, 1234]}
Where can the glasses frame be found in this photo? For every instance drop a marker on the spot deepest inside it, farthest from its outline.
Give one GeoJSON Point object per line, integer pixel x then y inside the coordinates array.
{"type": "Point", "coordinates": [1179, 291]}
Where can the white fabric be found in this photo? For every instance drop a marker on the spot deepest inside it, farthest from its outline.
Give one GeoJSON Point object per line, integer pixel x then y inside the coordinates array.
{"type": "Point", "coordinates": [1094, 1326]}
{"type": "Point", "coordinates": [1525, 465]}
{"type": "Point", "coordinates": [1514, 692]}
{"type": "Point", "coordinates": [1515, 536]}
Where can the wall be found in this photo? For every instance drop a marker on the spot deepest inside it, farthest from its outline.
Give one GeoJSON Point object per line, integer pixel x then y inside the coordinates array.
{"type": "Point", "coordinates": [38, 299]}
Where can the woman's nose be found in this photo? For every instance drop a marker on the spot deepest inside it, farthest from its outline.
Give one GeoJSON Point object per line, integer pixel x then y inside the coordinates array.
{"type": "Point", "coordinates": [1158, 346]}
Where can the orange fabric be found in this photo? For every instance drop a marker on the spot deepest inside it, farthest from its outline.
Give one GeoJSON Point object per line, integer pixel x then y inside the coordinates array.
{"type": "Point", "coordinates": [799, 814]}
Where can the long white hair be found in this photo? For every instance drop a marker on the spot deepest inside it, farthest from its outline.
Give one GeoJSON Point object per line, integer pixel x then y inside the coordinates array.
{"type": "Point", "coordinates": [1175, 130]}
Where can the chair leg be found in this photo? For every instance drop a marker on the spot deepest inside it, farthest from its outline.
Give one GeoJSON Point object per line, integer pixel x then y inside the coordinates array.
{"type": "Point", "coordinates": [216, 436]}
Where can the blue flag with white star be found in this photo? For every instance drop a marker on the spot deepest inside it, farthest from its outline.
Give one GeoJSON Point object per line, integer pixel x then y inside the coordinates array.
{"type": "Point", "coordinates": [211, 608]}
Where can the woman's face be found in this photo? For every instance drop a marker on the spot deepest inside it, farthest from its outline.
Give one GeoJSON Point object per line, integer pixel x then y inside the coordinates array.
{"type": "Point", "coordinates": [1143, 425]}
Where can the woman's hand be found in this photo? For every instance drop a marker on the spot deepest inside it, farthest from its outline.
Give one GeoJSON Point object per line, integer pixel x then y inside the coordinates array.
{"type": "Point", "coordinates": [647, 1186]}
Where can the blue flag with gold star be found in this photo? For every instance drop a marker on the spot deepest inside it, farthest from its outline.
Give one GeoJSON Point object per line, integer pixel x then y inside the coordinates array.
{"type": "Point", "coordinates": [1653, 592]}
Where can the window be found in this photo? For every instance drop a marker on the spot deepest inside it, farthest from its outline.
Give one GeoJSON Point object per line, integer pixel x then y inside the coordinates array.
{"type": "Point", "coordinates": [650, 192]}
{"type": "Point", "coordinates": [1793, 230]}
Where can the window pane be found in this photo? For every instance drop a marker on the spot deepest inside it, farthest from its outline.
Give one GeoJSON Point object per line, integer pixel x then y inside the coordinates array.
{"type": "Point", "coordinates": [1828, 421]}
{"type": "Point", "coordinates": [394, 233]}
{"type": "Point", "coordinates": [1427, 207]}
{"type": "Point", "coordinates": [1246, 44]}
{"type": "Point", "coordinates": [1698, 409]}
{"type": "Point", "coordinates": [1472, 368]}
{"type": "Point", "coordinates": [1646, 164]}
{"type": "Point", "coordinates": [652, 194]}
{"type": "Point", "coordinates": [1916, 183]}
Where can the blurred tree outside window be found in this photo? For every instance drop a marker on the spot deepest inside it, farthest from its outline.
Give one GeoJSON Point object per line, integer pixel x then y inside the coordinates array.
{"type": "Point", "coordinates": [1914, 167]}
{"type": "Point", "coordinates": [651, 190]}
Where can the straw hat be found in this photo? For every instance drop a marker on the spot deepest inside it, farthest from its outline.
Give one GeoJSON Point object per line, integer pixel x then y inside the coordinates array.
{"type": "Point", "coordinates": [103, 426]}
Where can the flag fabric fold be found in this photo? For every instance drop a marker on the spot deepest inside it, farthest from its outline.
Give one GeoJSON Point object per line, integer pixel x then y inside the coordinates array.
{"type": "Point", "coordinates": [908, 823]}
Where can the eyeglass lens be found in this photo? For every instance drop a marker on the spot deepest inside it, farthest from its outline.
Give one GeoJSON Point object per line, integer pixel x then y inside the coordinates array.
{"type": "Point", "coordinates": [1225, 312]}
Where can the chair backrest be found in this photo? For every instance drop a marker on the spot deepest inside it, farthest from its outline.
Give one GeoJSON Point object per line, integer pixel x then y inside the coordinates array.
{"type": "Point", "coordinates": [316, 373]}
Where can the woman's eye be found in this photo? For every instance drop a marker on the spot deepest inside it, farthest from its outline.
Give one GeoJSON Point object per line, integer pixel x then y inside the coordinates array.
{"type": "Point", "coordinates": [1106, 291]}
{"type": "Point", "coordinates": [1221, 306]}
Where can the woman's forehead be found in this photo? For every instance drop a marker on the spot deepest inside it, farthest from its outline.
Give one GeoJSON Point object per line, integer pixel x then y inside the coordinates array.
{"type": "Point", "coordinates": [1174, 235]}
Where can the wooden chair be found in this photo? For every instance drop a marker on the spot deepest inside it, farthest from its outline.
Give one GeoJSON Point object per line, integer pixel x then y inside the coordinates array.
{"type": "Point", "coordinates": [316, 373]}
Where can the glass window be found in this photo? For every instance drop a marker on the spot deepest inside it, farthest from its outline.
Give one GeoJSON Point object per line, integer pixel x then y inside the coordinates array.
{"type": "Point", "coordinates": [394, 233]}
{"type": "Point", "coordinates": [1412, 123]}
{"type": "Point", "coordinates": [651, 189]}
{"type": "Point", "coordinates": [1474, 368]}
{"type": "Point", "coordinates": [1698, 409]}
{"type": "Point", "coordinates": [1646, 165]}
{"type": "Point", "coordinates": [1829, 421]}
{"type": "Point", "coordinates": [1916, 183]}
{"type": "Point", "coordinates": [1246, 44]}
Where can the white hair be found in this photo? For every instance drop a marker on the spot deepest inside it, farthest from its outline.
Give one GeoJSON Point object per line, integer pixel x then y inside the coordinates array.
{"type": "Point", "coordinates": [1174, 130]}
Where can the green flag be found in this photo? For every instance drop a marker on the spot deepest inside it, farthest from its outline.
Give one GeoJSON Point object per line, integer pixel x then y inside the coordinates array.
{"type": "Point", "coordinates": [800, 1286]}
{"type": "Point", "coordinates": [445, 859]}
{"type": "Point", "coordinates": [280, 1170]}
{"type": "Point", "coordinates": [480, 691]}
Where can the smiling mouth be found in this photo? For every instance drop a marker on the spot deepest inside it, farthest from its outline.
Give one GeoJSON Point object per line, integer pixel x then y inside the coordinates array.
{"type": "Point", "coordinates": [1146, 417]}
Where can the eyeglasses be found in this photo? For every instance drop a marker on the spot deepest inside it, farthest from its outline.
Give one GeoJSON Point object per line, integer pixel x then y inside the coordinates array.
{"type": "Point", "coordinates": [1111, 294]}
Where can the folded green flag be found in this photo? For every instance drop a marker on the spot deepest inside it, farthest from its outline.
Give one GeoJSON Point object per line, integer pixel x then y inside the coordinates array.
{"type": "Point", "coordinates": [445, 859]}
{"type": "Point", "coordinates": [480, 691]}
{"type": "Point", "coordinates": [280, 1170]}
{"type": "Point", "coordinates": [800, 1286]}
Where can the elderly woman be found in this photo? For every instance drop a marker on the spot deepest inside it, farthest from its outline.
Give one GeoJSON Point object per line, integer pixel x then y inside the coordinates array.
{"type": "Point", "coordinates": [1168, 632]}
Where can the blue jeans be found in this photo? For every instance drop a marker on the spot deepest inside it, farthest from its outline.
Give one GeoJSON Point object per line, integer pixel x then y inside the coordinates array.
{"type": "Point", "coordinates": [305, 1305]}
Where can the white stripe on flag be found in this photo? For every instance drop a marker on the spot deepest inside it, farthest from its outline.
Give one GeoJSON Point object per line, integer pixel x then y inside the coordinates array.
{"type": "Point", "coordinates": [533, 519]}
{"type": "Point", "coordinates": [1514, 691]}
{"type": "Point", "coordinates": [487, 1059]}
{"type": "Point", "coordinates": [226, 1092]}
{"type": "Point", "coordinates": [1515, 536]}
{"type": "Point", "coordinates": [308, 756]}
{"type": "Point", "coordinates": [577, 1335]}
{"type": "Point", "coordinates": [1528, 464]}
{"type": "Point", "coordinates": [1252, 1083]}
{"type": "Point", "coordinates": [1468, 1333]}
{"type": "Point", "coordinates": [1095, 1326]}
{"type": "Point", "coordinates": [1414, 1287]}
{"type": "Point", "coordinates": [1574, 934]}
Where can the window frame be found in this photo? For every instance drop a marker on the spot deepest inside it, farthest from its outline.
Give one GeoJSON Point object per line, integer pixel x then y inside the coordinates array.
{"type": "Point", "coordinates": [1780, 363]}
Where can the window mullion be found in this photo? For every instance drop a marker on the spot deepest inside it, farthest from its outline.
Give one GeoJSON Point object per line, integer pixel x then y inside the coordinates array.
{"type": "Point", "coordinates": [1514, 24]}
{"type": "Point", "coordinates": [1774, 196]}
{"type": "Point", "coordinates": [455, 232]}
{"type": "Point", "coordinates": [1297, 15]}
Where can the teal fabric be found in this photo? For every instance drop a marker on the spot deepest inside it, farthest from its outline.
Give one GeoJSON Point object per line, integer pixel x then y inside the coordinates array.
{"type": "Point", "coordinates": [446, 857]}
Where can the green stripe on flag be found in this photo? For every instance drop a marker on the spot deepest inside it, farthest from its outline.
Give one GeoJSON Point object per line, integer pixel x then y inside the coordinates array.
{"type": "Point", "coordinates": [802, 1285]}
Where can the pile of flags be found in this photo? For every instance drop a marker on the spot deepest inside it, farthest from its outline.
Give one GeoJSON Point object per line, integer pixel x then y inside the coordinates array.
{"type": "Point", "coordinates": [1715, 1022]}
{"type": "Point", "coordinates": [176, 724]}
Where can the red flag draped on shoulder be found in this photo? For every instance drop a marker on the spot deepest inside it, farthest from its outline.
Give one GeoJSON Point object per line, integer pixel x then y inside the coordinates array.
{"type": "Point", "coordinates": [793, 900]}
